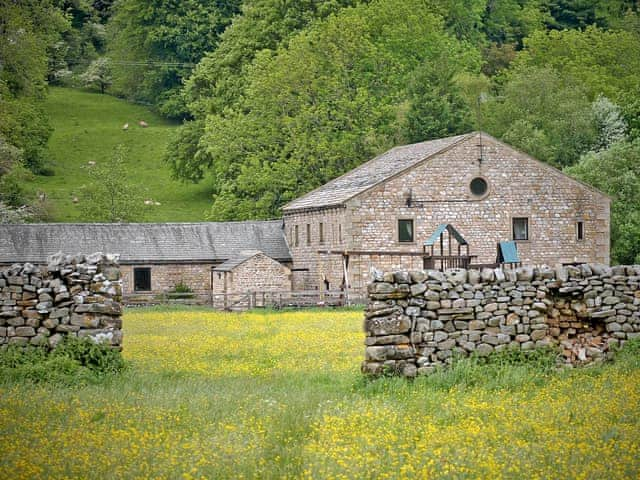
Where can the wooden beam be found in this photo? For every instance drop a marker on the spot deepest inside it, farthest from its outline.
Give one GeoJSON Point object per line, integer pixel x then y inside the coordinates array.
{"type": "Point", "coordinates": [372, 252]}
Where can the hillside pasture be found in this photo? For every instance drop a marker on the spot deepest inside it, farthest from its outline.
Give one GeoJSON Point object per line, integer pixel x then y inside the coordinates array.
{"type": "Point", "coordinates": [87, 128]}
{"type": "Point", "coordinates": [279, 395]}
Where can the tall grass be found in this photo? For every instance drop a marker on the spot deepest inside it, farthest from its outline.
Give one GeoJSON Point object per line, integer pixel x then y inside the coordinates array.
{"type": "Point", "coordinates": [279, 395]}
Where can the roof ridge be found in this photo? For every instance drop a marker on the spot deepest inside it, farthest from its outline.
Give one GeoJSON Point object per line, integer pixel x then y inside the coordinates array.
{"type": "Point", "coordinates": [146, 242]}
{"type": "Point", "coordinates": [115, 224]}
{"type": "Point", "coordinates": [453, 140]}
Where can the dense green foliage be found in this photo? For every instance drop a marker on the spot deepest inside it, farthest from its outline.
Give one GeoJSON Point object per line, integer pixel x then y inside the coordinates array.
{"type": "Point", "coordinates": [27, 31]}
{"type": "Point", "coordinates": [219, 80]}
{"type": "Point", "coordinates": [616, 171]}
{"type": "Point", "coordinates": [335, 95]}
{"type": "Point", "coordinates": [73, 362]}
{"type": "Point", "coordinates": [545, 101]}
{"type": "Point", "coordinates": [154, 45]}
{"type": "Point", "coordinates": [82, 42]}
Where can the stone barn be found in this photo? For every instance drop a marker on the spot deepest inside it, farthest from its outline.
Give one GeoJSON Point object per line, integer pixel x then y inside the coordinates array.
{"type": "Point", "coordinates": [251, 270]}
{"type": "Point", "coordinates": [383, 212]}
{"type": "Point", "coordinates": [157, 258]}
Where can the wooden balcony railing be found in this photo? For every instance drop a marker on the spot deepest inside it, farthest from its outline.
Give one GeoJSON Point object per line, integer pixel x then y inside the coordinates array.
{"type": "Point", "coordinates": [442, 262]}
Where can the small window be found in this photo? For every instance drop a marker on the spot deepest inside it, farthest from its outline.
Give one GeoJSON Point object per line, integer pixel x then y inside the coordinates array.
{"type": "Point", "coordinates": [296, 236]}
{"type": "Point", "coordinates": [521, 228]}
{"type": "Point", "coordinates": [405, 230]}
{"type": "Point", "coordinates": [142, 279]}
{"type": "Point", "coordinates": [478, 186]}
{"type": "Point", "coordinates": [308, 234]}
{"type": "Point", "coordinates": [580, 230]}
{"type": "Point", "coordinates": [321, 233]}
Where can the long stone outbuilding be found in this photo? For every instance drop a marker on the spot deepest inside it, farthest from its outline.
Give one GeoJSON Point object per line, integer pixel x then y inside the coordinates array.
{"type": "Point", "coordinates": [155, 258]}
{"type": "Point", "coordinates": [377, 216]}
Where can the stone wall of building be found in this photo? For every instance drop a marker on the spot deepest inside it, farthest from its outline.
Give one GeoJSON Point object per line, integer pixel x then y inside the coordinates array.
{"type": "Point", "coordinates": [518, 186]}
{"type": "Point", "coordinates": [311, 268]}
{"type": "Point", "coordinates": [259, 273]}
{"type": "Point", "coordinates": [72, 296]}
{"type": "Point", "coordinates": [419, 320]}
{"type": "Point", "coordinates": [164, 278]}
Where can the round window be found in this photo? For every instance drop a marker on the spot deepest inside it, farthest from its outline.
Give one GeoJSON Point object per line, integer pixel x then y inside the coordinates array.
{"type": "Point", "coordinates": [478, 186]}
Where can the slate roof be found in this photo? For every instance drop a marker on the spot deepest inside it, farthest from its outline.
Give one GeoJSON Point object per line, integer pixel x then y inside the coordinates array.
{"type": "Point", "coordinates": [377, 170]}
{"type": "Point", "coordinates": [144, 242]}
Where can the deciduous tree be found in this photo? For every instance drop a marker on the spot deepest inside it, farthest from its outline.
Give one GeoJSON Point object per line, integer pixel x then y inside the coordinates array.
{"type": "Point", "coordinates": [333, 97]}
{"type": "Point", "coordinates": [155, 43]}
{"type": "Point", "coordinates": [616, 171]}
{"type": "Point", "coordinates": [109, 196]}
{"type": "Point", "coordinates": [98, 73]}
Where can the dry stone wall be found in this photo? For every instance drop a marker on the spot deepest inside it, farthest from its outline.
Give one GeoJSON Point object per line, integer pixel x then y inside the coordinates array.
{"type": "Point", "coordinates": [72, 296]}
{"type": "Point", "coordinates": [417, 321]}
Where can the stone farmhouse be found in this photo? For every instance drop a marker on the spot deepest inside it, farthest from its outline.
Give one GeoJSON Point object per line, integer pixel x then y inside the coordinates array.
{"type": "Point", "coordinates": [461, 196]}
{"type": "Point", "coordinates": [381, 213]}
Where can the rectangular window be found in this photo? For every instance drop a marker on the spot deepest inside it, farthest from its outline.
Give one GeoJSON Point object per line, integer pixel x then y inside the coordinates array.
{"type": "Point", "coordinates": [521, 228]}
{"type": "Point", "coordinates": [321, 233]}
{"type": "Point", "coordinates": [142, 279]}
{"type": "Point", "coordinates": [308, 234]}
{"type": "Point", "coordinates": [580, 230]}
{"type": "Point", "coordinates": [405, 230]}
{"type": "Point", "coordinates": [296, 236]}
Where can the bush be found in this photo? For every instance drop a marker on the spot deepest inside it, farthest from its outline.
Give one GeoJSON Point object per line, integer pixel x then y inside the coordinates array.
{"type": "Point", "coordinates": [181, 290]}
{"type": "Point", "coordinates": [73, 362]}
{"type": "Point", "coordinates": [97, 357]}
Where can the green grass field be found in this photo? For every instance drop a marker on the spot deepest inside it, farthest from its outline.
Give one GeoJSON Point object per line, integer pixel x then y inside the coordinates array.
{"type": "Point", "coordinates": [87, 127]}
{"type": "Point", "coordinates": [279, 395]}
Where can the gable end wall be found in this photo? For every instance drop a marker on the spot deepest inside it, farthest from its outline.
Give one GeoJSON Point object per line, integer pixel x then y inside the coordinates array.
{"type": "Point", "coordinates": [518, 187]}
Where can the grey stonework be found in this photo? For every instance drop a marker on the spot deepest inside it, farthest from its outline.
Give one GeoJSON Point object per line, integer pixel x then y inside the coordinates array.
{"type": "Point", "coordinates": [519, 186]}
{"type": "Point", "coordinates": [584, 311]}
{"type": "Point", "coordinates": [70, 296]}
{"type": "Point", "coordinates": [256, 272]}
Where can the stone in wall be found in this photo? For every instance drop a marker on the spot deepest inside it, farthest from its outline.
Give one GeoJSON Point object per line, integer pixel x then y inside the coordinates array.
{"type": "Point", "coordinates": [418, 321]}
{"type": "Point", "coordinates": [75, 296]}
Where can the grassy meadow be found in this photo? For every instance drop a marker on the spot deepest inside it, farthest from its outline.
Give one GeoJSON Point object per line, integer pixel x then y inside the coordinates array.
{"type": "Point", "coordinates": [87, 127]}
{"type": "Point", "coordinates": [279, 395]}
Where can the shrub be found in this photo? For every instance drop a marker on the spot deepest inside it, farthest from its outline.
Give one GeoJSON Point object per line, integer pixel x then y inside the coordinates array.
{"type": "Point", "coordinates": [182, 287]}
{"type": "Point", "coordinates": [97, 357]}
{"type": "Point", "coordinates": [73, 362]}
{"type": "Point", "coordinates": [181, 290]}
